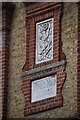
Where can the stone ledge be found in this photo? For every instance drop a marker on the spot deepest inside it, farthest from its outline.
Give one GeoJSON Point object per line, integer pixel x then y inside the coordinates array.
{"type": "Point", "coordinates": [41, 69]}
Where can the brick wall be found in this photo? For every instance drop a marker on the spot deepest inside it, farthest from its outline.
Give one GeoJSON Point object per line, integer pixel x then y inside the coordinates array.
{"type": "Point", "coordinates": [18, 56]}
{"type": "Point", "coordinates": [69, 39]}
{"type": "Point", "coordinates": [1, 61]}
{"type": "Point", "coordinates": [7, 12]}
{"type": "Point", "coordinates": [42, 11]}
{"type": "Point", "coordinates": [78, 62]}
{"type": "Point", "coordinates": [51, 10]}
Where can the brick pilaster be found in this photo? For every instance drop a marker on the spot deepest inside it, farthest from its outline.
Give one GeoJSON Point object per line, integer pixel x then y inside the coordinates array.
{"type": "Point", "coordinates": [7, 13]}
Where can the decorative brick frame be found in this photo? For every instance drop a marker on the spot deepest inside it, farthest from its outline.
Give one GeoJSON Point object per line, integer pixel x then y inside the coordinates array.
{"type": "Point", "coordinates": [37, 12]}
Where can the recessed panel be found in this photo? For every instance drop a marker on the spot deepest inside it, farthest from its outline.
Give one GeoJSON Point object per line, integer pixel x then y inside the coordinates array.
{"type": "Point", "coordinates": [44, 41]}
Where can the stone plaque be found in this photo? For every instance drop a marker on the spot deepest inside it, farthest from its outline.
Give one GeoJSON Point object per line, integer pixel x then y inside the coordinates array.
{"type": "Point", "coordinates": [43, 88]}
{"type": "Point", "coordinates": [44, 41]}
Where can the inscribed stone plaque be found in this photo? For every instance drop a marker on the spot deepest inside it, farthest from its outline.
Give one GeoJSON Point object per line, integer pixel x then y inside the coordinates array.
{"type": "Point", "coordinates": [44, 41]}
{"type": "Point", "coordinates": [43, 88]}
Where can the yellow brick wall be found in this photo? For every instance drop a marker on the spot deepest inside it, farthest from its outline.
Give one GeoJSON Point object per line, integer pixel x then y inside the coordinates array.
{"type": "Point", "coordinates": [17, 59]}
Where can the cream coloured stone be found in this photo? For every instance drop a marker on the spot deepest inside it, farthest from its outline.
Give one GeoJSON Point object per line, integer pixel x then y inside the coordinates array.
{"type": "Point", "coordinates": [44, 41]}
{"type": "Point", "coordinates": [43, 88]}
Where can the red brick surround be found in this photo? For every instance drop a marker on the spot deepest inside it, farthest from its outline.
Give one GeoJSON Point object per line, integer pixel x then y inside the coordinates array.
{"type": "Point", "coordinates": [46, 103]}
{"type": "Point", "coordinates": [34, 13]}
{"type": "Point", "coordinates": [7, 13]}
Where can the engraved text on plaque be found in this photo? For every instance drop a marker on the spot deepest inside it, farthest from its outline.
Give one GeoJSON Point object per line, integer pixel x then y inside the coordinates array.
{"type": "Point", "coordinates": [43, 88]}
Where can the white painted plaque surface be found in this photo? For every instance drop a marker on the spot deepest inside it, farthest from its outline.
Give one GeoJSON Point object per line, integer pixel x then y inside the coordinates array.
{"type": "Point", "coordinates": [43, 88]}
{"type": "Point", "coordinates": [44, 41]}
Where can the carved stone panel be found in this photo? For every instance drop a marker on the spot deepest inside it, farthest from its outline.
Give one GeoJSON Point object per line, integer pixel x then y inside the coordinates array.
{"type": "Point", "coordinates": [44, 41]}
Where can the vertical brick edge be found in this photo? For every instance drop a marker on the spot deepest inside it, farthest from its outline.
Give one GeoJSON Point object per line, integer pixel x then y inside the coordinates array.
{"type": "Point", "coordinates": [1, 61]}
{"type": "Point", "coordinates": [7, 13]}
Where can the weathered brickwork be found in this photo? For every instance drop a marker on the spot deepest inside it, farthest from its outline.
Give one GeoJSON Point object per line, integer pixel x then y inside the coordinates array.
{"type": "Point", "coordinates": [69, 38]}
{"type": "Point", "coordinates": [78, 62]}
{"type": "Point", "coordinates": [17, 60]}
{"type": "Point", "coordinates": [0, 60]}
{"type": "Point", "coordinates": [7, 13]}
{"type": "Point", "coordinates": [34, 14]}
{"type": "Point", "coordinates": [69, 26]}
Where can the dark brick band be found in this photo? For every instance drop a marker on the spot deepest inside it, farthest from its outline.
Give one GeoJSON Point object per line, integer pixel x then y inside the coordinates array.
{"type": "Point", "coordinates": [7, 13]}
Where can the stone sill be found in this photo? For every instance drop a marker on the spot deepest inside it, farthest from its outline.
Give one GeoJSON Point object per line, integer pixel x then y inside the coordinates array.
{"type": "Point", "coordinates": [41, 69]}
